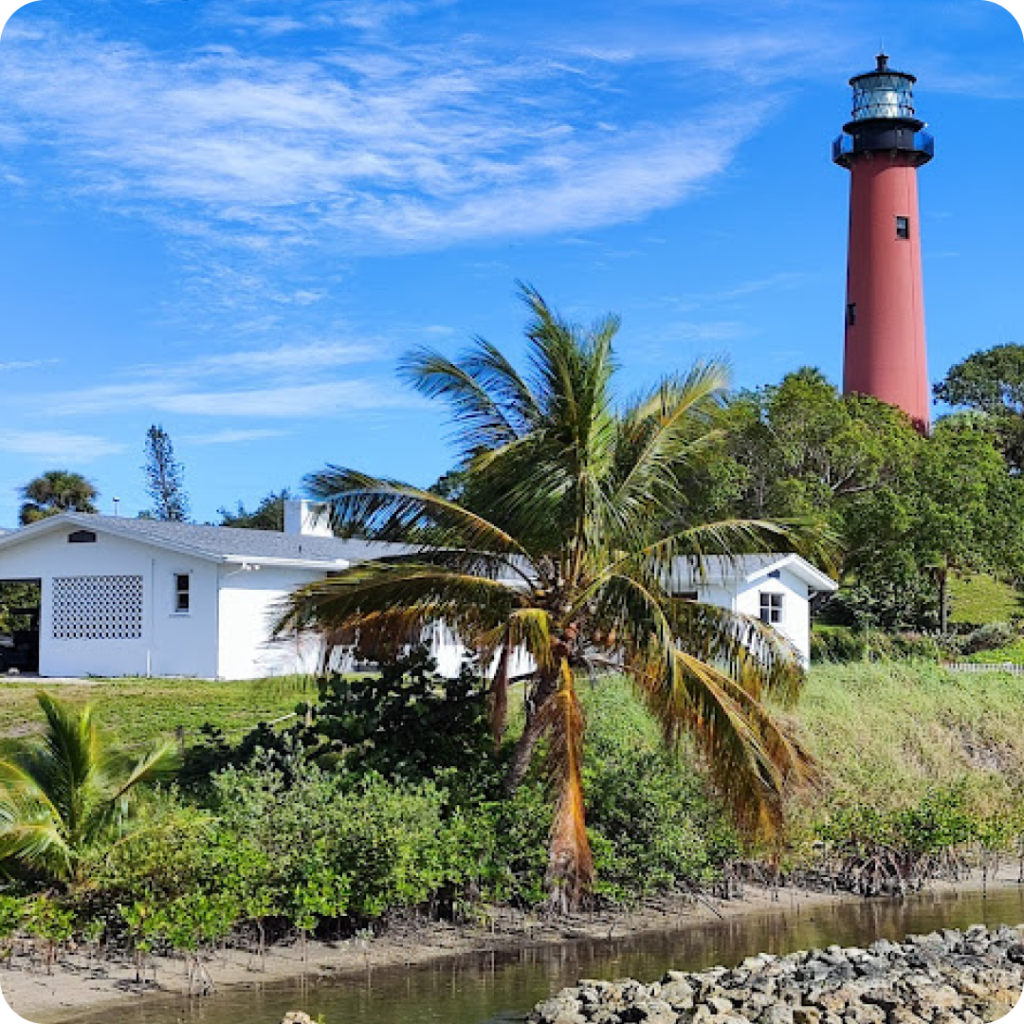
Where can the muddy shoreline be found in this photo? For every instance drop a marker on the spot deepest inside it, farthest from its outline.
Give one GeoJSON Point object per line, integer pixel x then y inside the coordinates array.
{"type": "Point", "coordinates": [79, 987]}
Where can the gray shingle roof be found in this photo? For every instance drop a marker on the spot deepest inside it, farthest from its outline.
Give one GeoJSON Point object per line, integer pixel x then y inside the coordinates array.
{"type": "Point", "coordinates": [228, 543]}
{"type": "Point", "coordinates": [221, 542]}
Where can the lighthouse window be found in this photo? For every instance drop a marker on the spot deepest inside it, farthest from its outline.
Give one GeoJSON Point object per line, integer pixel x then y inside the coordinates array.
{"type": "Point", "coordinates": [851, 313]}
{"type": "Point", "coordinates": [902, 227]}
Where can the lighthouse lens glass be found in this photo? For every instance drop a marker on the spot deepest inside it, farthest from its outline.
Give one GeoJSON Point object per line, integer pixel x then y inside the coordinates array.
{"type": "Point", "coordinates": [888, 96]}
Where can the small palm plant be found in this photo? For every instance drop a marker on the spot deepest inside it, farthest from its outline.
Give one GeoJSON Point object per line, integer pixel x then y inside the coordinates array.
{"type": "Point", "coordinates": [573, 514]}
{"type": "Point", "coordinates": [63, 796]}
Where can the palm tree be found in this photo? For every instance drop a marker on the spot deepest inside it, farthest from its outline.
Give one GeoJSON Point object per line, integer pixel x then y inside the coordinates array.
{"type": "Point", "coordinates": [57, 490]}
{"type": "Point", "coordinates": [62, 797]}
{"type": "Point", "coordinates": [572, 515]}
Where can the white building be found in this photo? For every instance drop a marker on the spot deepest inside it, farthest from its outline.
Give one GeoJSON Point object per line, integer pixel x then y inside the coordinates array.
{"type": "Point", "coordinates": [139, 597]}
{"type": "Point", "coordinates": [776, 588]}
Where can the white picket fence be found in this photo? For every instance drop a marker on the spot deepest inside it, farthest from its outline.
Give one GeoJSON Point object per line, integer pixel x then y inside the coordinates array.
{"type": "Point", "coordinates": [979, 666]}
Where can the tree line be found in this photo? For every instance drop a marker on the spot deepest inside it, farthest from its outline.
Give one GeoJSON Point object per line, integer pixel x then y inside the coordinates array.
{"type": "Point", "coordinates": [908, 511]}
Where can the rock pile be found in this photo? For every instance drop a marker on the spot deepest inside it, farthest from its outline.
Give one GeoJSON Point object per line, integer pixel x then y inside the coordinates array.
{"type": "Point", "coordinates": [947, 977]}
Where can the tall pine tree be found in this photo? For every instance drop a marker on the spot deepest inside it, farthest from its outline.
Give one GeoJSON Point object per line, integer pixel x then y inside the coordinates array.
{"type": "Point", "coordinates": [165, 477]}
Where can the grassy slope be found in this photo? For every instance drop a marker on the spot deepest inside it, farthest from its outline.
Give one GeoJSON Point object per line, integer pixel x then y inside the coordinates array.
{"type": "Point", "coordinates": [885, 733]}
{"type": "Point", "coordinates": [134, 712]}
{"type": "Point", "coordinates": [977, 599]}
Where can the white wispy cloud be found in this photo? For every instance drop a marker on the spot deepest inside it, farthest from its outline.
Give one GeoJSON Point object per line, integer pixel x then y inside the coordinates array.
{"type": "Point", "coordinates": [26, 364]}
{"type": "Point", "coordinates": [372, 147]}
{"type": "Point", "coordinates": [288, 401]}
{"type": "Point", "coordinates": [233, 436]}
{"type": "Point", "coordinates": [283, 382]}
{"type": "Point", "coordinates": [287, 360]}
{"type": "Point", "coordinates": [57, 445]}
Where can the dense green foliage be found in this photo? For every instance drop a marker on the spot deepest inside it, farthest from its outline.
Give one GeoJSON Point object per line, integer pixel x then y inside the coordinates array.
{"type": "Point", "coordinates": [991, 383]}
{"type": "Point", "coordinates": [17, 599]}
{"type": "Point", "coordinates": [56, 491]}
{"type": "Point", "coordinates": [405, 723]}
{"type": "Point", "coordinates": [909, 510]}
{"type": "Point", "coordinates": [267, 515]}
{"type": "Point", "coordinates": [920, 764]}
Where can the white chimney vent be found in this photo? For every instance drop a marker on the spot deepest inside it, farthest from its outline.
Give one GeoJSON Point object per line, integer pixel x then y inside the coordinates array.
{"type": "Point", "coordinates": [306, 518]}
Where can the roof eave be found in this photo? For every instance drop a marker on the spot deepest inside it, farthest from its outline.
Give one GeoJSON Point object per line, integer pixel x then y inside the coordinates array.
{"type": "Point", "coordinates": [800, 567]}
{"type": "Point", "coordinates": [84, 519]}
{"type": "Point", "coordinates": [295, 563]}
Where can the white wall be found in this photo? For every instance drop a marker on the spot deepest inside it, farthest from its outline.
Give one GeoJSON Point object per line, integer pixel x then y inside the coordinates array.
{"type": "Point", "coordinates": [171, 644]}
{"type": "Point", "coordinates": [249, 600]}
{"type": "Point", "coordinates": [796, 610]}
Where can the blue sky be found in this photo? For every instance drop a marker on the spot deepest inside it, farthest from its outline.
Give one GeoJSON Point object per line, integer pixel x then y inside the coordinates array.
{"type": "Point", "coordinates": [230, 217]}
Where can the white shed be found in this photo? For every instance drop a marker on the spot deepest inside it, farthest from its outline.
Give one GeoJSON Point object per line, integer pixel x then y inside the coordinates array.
{"type": "Point", "coordinates": [776, 588]}
{"type": "Point", "coordinates": [140, 597]}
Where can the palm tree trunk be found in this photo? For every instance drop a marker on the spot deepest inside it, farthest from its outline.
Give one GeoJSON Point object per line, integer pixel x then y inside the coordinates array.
{"type": "Point", "coordinates": [522, 755]}
{"type": "Point", "coordinates": [499, 695]}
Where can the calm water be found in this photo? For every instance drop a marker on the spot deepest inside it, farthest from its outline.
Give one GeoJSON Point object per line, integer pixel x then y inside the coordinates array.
{"type": "Point", "coordinates": [488, 989]}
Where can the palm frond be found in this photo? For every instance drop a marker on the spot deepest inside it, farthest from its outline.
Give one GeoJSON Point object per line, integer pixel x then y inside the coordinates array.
{"type": "Point", "coordinates": [488, 365]}
{"type": "Point", "coordinates": [156, 765]}
{"type": "Point", "coordinates": [412, 588]}
{"type": "Point", "coordinates": [754, 762]}
{"type": "Point", "coordinates": [387, 510]}
{"type": "Point", "coordinates": [658, 430]}
{"type": "Point", "coordinates": [34, 840]}
{"type": "Point", "coordinates": [68, 766]}
{"type": "Point", "coordinates": [482, 422]}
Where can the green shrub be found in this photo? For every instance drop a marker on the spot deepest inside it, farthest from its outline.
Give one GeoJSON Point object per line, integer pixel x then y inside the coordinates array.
{"type": "Point", "coordinates": [838, 643]}
{"type": "Point", "coordinates": [308, 847]}
{"type": "Point", "coordinates": [988, 637]}
{"type": "Point", "coordinates": [406, 723]}
{"type": "Point", "coordinates": [652, 824]}
{"type": "Point", "coordinates": [12, 913]}
{"type": "Point", "coordinates": [843, 644]}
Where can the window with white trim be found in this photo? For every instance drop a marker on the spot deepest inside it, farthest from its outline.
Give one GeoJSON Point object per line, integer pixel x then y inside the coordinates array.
{"type": "Point", "coordinates": [182, 594]}
{"type": "Point", "coordinates": [771, 608]}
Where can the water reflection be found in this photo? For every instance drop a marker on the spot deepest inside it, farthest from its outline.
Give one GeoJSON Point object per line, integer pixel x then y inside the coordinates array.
{"type": "Point", "coordinates": [492, 988]}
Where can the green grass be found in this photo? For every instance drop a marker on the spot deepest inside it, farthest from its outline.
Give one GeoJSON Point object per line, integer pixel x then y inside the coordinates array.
{"type": "Point", "coordinates": [136, 712]}
{"type": "Point", "coordinates": [1013, 653]}
{"type": "Point", "coordinates": [886, 733]}
{"type": "Point", "coordinates": [980, 599]}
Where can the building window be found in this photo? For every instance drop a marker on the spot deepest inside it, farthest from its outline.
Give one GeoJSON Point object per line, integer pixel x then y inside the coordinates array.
{"type": "Point", "coordinates": [97, 607]}
{"type": "Point", "coordinates": [902, 227]}
{"type": "Point", "coordinates": [771, 608]}
{"type": "Point", "coordinates": [82, 537]}
{"type": "Point", "coordinates": [181, 592]}
{"type": "Point", "coordinates": [851, 313]}
{"type": "Point", "coordinates": [687, 595]}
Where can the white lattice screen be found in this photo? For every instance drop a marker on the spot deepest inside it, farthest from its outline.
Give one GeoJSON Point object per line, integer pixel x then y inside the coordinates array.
{"type": "Point", "coordinates": [97, 607]}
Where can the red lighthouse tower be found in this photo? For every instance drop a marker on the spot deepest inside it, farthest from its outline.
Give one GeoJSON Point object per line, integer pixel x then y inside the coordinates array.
{"type": "Point", "coordinates": [883, 146]}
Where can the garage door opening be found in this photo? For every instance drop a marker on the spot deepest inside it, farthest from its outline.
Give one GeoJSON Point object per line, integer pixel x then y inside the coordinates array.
{"type": "Point", "coordinates": [19, 626]}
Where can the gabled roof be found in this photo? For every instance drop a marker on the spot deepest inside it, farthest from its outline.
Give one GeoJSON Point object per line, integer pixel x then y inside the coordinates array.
{"type": "Point", "coordinates": [748, 569]}
{"type": "Point", "coordinates": [217, 543]}
{"type": "Point", "coordinates": [230, 544]}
